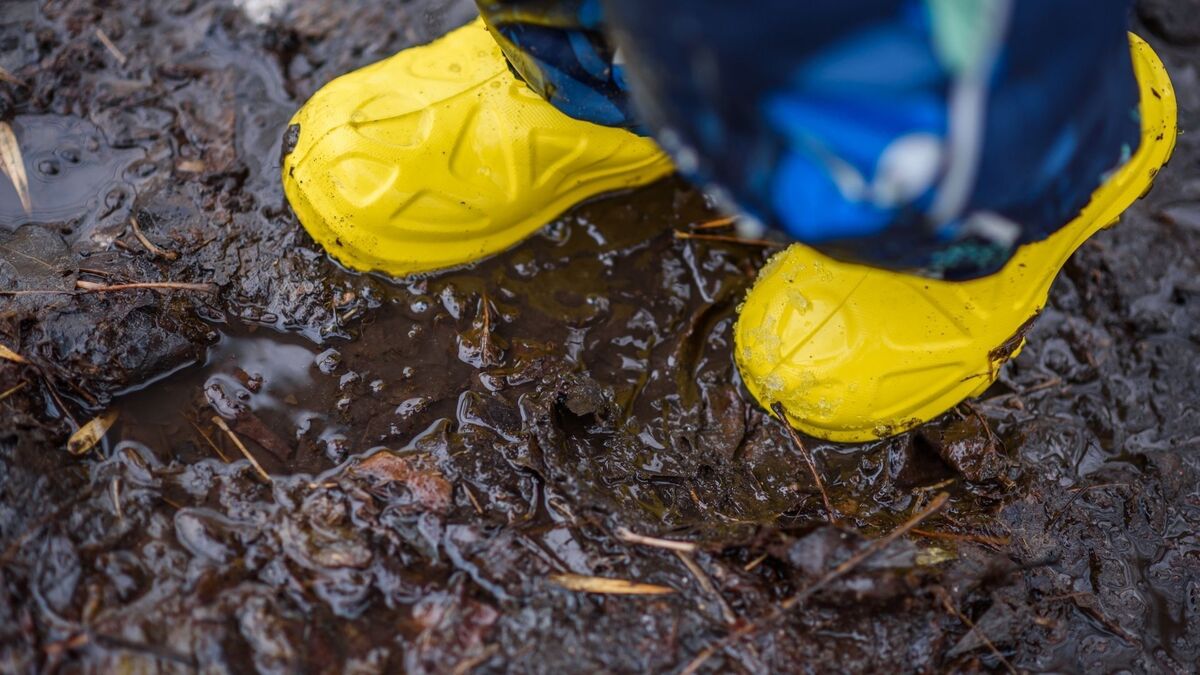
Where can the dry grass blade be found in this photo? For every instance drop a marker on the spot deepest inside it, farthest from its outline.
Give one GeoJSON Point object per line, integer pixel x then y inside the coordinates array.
{"type": "Point", "coordinates": [242, 447]}
{"type": "Point", "coordinates": [632, 537]}
{"type": "Point", "coordinates": [9, 392]}
{"type": "Point", "coordinates": [606, 586]}
{"type": "Point", "coordinates": [9, 355]}
{"type": "Point", "coordinates": [808, 459]}
{"type": "Point", "coordinates": [87, 436]}
{"type": "Point", "coordinates": [13, 165]}
{"type": "Point", "coordinates": [680, 234]}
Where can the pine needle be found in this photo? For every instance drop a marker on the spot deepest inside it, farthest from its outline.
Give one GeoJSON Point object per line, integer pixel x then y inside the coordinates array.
{"type": "Point", "coordinates": [10, 392]}
{"type": "Point", "coordinates": [242, 447]}
{"type": "Point", "coordinates": [111, 47]}
{"type": "Point", "coordinates": [606, 586]}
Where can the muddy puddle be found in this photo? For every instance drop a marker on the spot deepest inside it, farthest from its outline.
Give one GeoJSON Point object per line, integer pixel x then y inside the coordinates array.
{"type": "Point", "coordinates": [318, 471]}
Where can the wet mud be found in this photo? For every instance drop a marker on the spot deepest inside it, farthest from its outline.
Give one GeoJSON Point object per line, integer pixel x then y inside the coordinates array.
{"type": "Point", "coordinates": [313, 470]}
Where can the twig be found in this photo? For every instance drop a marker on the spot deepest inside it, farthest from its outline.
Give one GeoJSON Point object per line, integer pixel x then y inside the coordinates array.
{"type": "Point", "coordinates": [111, 47]}
{"type": "Point", "coordinates": [680, 234]}
{"type": "Point", "coordinates": [808, 459]}
{"type": "Point", "coordinates": [150, 246]}
{"type": "Point", "coordinates": [707, 585]}
{"type": "Point", "coordinates": [241, 446]}
{"type": "Point", "coordinates": [873, 548]}
{"type": "Point", "coordinates": [1079, 492]}
{"type": "Point", "coordinates": [1052, 382]}
{"type": "Point", "coordinates": [974, 538]}
{"type": "Point", "coordinates": [625, 534]}
{"type": "Point", "coordinates": [945, 598]}
{"type": "Point", "coordinates": [36, 291]}
{"type": "Point", "coordinates": [829, 577]}
{"type": "Point", "coordinates": [93, 287]}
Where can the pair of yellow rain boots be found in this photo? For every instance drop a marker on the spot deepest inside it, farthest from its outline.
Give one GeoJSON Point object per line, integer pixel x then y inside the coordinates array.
{"type": "Point", "coordinates": [439, 156]}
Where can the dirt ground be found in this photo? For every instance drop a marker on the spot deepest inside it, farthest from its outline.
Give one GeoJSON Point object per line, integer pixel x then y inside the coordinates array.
{"type": "Point", "coordinates": [441, 459]}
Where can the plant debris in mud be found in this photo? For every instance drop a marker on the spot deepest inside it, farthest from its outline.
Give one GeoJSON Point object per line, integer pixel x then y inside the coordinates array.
{"type": "Point", "coordinates": [313, 470]}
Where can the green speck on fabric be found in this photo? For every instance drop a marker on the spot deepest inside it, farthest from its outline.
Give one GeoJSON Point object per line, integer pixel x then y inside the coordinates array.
{"type": "Point", "coordinates": [961, 31]}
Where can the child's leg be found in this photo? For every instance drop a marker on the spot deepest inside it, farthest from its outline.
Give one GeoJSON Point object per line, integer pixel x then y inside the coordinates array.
{"type": "Point", "coordinates": [559, 48]}
{"type": "Point", "coordinates": [917, 134]}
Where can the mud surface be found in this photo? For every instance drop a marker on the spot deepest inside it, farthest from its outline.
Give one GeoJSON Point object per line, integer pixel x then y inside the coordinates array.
{"type": "Point", "coordinates": [440, 451]}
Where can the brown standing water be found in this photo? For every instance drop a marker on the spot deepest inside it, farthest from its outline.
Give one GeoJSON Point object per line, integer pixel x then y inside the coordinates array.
{"type": "Point", "coordinates": [439, 452]}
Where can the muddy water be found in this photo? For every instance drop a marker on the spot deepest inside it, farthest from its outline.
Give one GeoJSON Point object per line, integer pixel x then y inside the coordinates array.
{"type": "Point", "coordinates": [436, 449]}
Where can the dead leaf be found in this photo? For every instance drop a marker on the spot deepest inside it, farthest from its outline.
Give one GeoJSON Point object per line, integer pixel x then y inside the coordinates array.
{"type": "Point", "coordinates": [606, 586]}
{"type": "Point", "coordinates": [429, 489]}
{"type": "Point", "coordinates": [13, 165]}
{"type": "Point", "coordinates": [9, 355]}
{"type": "Point", "coordinates": [34, 258]}
{"type": "Point", "coordinates": [88, 435]}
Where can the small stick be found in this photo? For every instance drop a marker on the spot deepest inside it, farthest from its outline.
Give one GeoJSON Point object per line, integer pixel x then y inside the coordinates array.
{"type": "Point", "coordinates": [628, 535]}
{"type": "Point", "coordinates": [151, 246]}
{"type": "Point", "coordinates": [707, 585]}
{"type": "Point", "coordinates": [808, 459]}
{"type": "Point", "coordinates": [93, 287]}
{"type": "Point", "coordinates": [240, 446]}
{"type": "Point", "coordinates": [111, 47]}
{"type": "Point", "coordinates": [1052, 382]}
{"type": "Point", "coordinates": [830, 576]}
{"type": "Point", "coordinates": [680, 234]}
{"type": "Point", "coordinates": [974, 538]}
{"type": "Point", "coordinates": [1079, 492]}
{"type": "Point", "coordinates": [945, 598]}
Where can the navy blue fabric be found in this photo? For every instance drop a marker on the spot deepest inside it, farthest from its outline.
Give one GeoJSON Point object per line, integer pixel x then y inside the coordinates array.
{"type": "Point", "coordinates": [789, 109]}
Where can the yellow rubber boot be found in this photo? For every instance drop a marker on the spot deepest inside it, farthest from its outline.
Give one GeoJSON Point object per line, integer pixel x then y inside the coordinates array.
{"type": "Point", "coordinates": [855, 353]}
{"type": "Point", "coordinates": [438, 156]}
